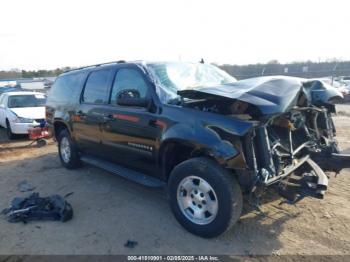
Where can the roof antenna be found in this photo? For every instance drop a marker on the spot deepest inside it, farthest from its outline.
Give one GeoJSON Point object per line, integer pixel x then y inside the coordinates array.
{"type": "Point", "coordinates": [201, 61]}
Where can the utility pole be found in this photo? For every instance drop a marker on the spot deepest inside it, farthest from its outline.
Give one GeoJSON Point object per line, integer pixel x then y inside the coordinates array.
{"type": "Point", "coordinates": [334, 68]}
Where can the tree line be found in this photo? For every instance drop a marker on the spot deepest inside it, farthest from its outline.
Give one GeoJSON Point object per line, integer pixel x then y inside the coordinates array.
{"type": "Point", "coordinates": [306, 69]}
{"type": "Point", "coordinates": [14, 74]}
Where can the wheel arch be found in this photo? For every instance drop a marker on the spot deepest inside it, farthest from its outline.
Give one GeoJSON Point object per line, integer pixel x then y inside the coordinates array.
{"type": "Point", "coordinates": [175, 151]}
{"type": "Point", "coordinates": [58, 126]}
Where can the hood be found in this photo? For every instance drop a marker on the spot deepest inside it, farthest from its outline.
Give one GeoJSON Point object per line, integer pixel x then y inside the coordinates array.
{"type": "Point", "coordinates": [30, 112]}
{"type": "Point", "coordinates": [271, 95]}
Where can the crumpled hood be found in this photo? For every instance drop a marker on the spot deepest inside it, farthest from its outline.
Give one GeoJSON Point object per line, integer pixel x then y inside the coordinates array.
{"type": "Point", "coordinates": [271, 94]}
{"type": "Point", "coordinates": [30, 112]}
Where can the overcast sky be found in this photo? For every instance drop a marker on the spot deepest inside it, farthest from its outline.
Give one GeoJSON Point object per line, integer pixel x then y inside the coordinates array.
{"type": "Point", "coordinates": [47, 34]}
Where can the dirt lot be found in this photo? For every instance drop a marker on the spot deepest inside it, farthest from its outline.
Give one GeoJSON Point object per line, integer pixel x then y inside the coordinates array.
{"type": "Point", "coordinates": [109, 210]}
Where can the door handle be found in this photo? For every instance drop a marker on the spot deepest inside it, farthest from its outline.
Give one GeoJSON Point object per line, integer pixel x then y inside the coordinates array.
{"type": "Point", "coordinates": [157, 123]}
{"type": "Point", "coordinates": [78, 116]}
{"type": "Point", "coordinates": [107, 118]}
{"type": "Point", "coordinates": [153, 122]}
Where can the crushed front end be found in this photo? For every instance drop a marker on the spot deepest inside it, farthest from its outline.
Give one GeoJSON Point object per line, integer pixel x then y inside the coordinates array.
{"type": "Point", "coordinates": [293, 143]}
{"type": "Point", "coordinates": [299, 143]}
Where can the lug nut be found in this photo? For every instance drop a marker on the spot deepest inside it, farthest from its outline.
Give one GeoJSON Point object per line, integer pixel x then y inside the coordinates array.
{"type": "Point", "coordinates": [204, 202]}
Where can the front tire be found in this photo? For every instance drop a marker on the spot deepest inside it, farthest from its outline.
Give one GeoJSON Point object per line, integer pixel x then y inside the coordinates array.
{"type": "Point", "coordinates": [204, 197]}
{"type": "Point", "coordinates": [9, 133]}
{"type": "Point", "coordinates": [67, 150]}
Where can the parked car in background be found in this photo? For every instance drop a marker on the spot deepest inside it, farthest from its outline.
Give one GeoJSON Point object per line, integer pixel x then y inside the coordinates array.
{"type": "Point", "coordinates": [6, 89]}
{"type": "Point", "coordinates": [346, 93]}
{"type": "Point", "coordinates": [195, 130]}
{"type": "Point", "coordinates": [21, 110]}
{"type": "Point", "coordinates": [337, 83]}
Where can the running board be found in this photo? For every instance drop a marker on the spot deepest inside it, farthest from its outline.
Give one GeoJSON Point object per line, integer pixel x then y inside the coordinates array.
{"type": "Point", "coordinates": [123, 171]}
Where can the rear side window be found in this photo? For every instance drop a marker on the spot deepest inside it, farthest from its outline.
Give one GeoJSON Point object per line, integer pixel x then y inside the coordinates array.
{"type": "Point", "coordinates": [66, 87]}
{"type": "Point", "coordinates": [97, 87]}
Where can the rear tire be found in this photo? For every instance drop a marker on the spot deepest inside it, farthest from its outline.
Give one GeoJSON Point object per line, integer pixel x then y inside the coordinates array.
{"type": "Point", "coordinates": [67, 150]}
{"type": "Point", "coordinates": [9, 133]}
{"type": "Point", "coordinates": [204, 197]}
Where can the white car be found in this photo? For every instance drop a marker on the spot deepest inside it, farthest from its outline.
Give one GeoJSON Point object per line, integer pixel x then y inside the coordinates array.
{"type": "Point", "coordinates": [21, 110]}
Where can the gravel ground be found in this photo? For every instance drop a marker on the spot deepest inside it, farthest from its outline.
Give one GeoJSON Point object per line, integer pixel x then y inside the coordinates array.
{"type": "Point", "coordinates": [109, 210]}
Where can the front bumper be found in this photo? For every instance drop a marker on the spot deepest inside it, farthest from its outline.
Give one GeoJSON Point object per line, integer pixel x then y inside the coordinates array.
{"type": "Point", "coordinates": [22, 128]}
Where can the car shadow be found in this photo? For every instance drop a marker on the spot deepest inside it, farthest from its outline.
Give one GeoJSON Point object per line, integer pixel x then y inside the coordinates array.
{"type": "Point", "coordinates": [17, 138]}
{"type": "Point", "coordinates": [256, 232]}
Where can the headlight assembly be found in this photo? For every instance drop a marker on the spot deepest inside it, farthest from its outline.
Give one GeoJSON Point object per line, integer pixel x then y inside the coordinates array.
{"type": "Point", "coordinates": [23, 120]}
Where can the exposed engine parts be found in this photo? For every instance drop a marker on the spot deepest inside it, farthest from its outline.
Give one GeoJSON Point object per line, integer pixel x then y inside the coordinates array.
{"type": "Point", "coordinates": [286, 144]}
{"type": "Point", "coordinates": [299, 140]}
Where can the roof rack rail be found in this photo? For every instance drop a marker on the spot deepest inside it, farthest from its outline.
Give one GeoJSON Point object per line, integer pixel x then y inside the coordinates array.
{"type": "Point", "coordinates": [96, 65]}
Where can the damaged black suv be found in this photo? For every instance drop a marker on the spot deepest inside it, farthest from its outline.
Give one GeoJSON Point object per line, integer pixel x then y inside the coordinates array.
{"type": "Point", "coordinates": [198, 132]}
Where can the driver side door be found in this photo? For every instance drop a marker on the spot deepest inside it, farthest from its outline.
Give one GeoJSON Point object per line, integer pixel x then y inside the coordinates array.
{"type": "Point", "coordinates": [129, 134]}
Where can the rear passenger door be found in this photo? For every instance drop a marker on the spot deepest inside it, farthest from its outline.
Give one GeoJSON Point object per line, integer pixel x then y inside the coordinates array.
{"type": "Point", "coordinates": [90, 113]}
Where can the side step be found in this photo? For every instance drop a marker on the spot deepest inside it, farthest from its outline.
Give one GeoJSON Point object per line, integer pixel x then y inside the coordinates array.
{"type": "Point", "coordinates": [123, 172]}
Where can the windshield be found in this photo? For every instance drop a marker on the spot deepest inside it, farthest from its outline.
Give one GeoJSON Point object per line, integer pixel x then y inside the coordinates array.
{"type": "Point", "coordinates": [179, 76]}
{"type": "Point", "coordinates": [36, 100]}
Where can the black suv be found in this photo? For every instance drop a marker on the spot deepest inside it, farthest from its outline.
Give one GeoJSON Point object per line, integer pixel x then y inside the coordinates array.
{"type": "Point", "coordinates": [198, 132]}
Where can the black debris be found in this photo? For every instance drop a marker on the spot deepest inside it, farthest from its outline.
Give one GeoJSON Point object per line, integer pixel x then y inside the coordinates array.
{"type": "Point", "coordinates": [130, 244]}
{"type": "Point", "coordinates": [35, 207]}
{"type": "Point", "coordinates": [41, 143]}
{"type": "Point", "coordinates": [68, 194]}
{"type": "Point", "coordinates": [24, 186]}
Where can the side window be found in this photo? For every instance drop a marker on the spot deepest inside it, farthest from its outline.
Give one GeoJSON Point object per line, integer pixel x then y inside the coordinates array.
{"type": "Point", "coordinates": [66, 87]}
{"type": "Point", "coordinates": [1, 99]}
{"type": "Point", "coordinates": [125, 79]}
{"type": "Point", "coordinates": [97, 87]}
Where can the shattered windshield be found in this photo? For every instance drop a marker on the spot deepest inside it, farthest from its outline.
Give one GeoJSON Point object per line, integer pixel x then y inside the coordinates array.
{"type": "Point", "coordinates": [178, 76]}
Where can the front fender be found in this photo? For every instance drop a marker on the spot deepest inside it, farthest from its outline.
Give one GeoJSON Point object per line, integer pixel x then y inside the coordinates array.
{"type": "Point", "coordinates": [220, 141]}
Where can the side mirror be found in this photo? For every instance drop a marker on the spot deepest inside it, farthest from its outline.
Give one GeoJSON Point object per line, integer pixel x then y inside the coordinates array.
{"type": "Point", "coordinates": [131, 97]}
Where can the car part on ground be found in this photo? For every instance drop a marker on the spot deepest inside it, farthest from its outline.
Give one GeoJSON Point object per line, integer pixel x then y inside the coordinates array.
{"type": "Point", "coordinates": [39, 133]}
{"type": "Point", "coordinates": [35, 207]}
{"type": "Point", "coordinates": [24, 186]}
{"type": "Point", "coordinates": [130, 244]}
